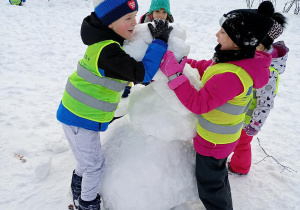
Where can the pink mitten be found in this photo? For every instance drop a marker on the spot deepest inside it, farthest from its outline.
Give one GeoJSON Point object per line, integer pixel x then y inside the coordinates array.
{"type": "Point", "coordinates": [170, 66]}
{"type": "Point", "coordinates": [189, 61]}
{"type": "Point", "coordinates": [250, 130]}
{"type": "Point", "coordinates": [177, 82]}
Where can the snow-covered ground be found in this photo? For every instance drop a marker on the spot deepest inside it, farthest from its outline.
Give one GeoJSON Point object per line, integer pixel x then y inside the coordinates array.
{"type": "Point", "coordinates": [39, 48]}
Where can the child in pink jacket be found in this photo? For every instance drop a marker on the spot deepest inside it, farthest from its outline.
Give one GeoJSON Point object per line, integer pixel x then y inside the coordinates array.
{"type": "Point", "coordinates": [221, 104]}
{"type": "Point", "coordinates": [263, 98]}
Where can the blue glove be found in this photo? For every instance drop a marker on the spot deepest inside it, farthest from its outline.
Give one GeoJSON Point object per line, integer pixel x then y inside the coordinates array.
{"type": "Point", "coordinates": [250, 130]}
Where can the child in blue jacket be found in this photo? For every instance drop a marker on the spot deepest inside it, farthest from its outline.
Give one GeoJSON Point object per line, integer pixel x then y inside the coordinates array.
{"type": "Point", "coordinates": [94, 90]}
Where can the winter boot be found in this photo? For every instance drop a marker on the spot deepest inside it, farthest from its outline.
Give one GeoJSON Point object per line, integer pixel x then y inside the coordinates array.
{"type": "Point", "coordinates": [230, 170]}
{"type": "Point", "coordinates": [90, 205]}
{"type": "Point", "coordinates": [76, 188]}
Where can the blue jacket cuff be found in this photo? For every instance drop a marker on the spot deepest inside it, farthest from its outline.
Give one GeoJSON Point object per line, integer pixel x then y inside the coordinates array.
{"type": "Point", "coordinates": [160, 42]}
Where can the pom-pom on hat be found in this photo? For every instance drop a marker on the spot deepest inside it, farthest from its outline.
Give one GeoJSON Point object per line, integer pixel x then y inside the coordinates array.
{"type": "Point", "coordinates": [160, 4]}
{"type": "Point", "coordinates": [108, 11]}
{"type": "Point", "coordinates": [276, 30]}
{"type": "Point", "coordinates": [248, 27]}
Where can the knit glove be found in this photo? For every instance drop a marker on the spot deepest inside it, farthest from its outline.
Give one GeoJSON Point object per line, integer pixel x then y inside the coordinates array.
{"type": "Point", "coordinates": [173, 70]}
{"type": "Point", "coordinates": [250, 130]}
{"type": "Point", "coordinates": [161, 30]}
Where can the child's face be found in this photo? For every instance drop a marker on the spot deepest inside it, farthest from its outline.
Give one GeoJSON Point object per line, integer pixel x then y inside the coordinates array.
{"type": "Point", "coordinates": [160, 14]}
{"type": "Point", "coordinates": [225, 41]}
{"type": "Point", "coordinates": [124, 26]}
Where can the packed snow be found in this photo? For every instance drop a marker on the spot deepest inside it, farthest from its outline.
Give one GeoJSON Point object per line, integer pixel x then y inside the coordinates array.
{"type": "Point", "coordinates": [151, 157]}
{"type": "Point", "coordinates": [149, 152]}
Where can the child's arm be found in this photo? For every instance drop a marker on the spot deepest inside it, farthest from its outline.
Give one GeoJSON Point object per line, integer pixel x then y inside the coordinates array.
{"type": "Point", "coordinates": [265, 102]}
{"type": "Point", "coordinates": [201, 65]}
{"type": "Point", "coordinates": [117, 64]}
{"type": "Point", "coordinates": [217, 90]}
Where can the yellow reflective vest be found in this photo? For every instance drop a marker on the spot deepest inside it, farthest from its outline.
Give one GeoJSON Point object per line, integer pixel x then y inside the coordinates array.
{"type": "Point", "coordinates": [15, 2]}
{"type": "Point", "coordinates": [88, 93]}
{"type": "Point", "coordinates": [223, 124]}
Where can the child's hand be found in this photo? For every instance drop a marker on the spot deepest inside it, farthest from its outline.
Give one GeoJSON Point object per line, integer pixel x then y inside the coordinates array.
{"type": "Point", "coordinates": [250, 130]}
{"type": "Point", "coordinates": [170, 66]}
{"type": "Point", "coordinates": [161, 30]}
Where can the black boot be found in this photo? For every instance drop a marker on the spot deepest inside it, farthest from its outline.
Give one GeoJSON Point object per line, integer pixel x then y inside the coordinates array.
{"type": "Point", "coordinates": [90, 205]}
{"type": "Point", "coordinates": [76, 188]}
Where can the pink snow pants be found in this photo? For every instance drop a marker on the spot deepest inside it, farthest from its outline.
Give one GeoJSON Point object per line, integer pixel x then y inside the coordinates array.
{"type": "Point", "coordinates": [241, 159]}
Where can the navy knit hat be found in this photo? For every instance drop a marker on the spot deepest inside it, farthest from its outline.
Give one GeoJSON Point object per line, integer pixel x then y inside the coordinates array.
{"type": "Point", "coordinates": [248, 27]}
{"type": "Point", "coordinates": [108, 11]}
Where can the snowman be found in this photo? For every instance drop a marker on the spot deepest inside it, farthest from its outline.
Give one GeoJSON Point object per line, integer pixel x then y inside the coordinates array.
{"type": "Point", "coordinates": [150, 159]}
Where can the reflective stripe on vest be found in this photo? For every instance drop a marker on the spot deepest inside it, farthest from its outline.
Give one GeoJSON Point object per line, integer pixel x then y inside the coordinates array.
{"type": "Point", "coordinates": [219, 129]}
{"type": "Point", "coordinates": [251, 108]}
{"type": "Point", "coordinates": [88, 100]}
{"type": "Point", "coordinates": [233, 109]}
{"type": "Point", "coordinates": [224, 124]}
{"type": "Point", "coordinates": [103, 81]}
{"type": "Point", "coordinates": [90, 95]}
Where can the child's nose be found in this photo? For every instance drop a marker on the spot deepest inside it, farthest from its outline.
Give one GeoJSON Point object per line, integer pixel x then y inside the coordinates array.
{"type": "Point", "coordinates": [134, 22]}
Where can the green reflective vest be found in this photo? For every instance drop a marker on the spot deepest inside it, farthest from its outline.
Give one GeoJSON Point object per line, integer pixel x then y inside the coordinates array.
{"type": "Point", "coordinates": [223, 125]}
{"type": "Point", "coordinates": [90, 95]}
{"type": "Point", "coordinates": [15, 2]}
{"type": "Point", "coordinates": [254, 100]}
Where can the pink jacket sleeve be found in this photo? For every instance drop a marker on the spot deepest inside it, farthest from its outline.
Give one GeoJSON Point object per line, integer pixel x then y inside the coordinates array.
{"type": "Point", "coordinates": [201, 65]}
{"type": "Point", "coordinates": [216, 92]}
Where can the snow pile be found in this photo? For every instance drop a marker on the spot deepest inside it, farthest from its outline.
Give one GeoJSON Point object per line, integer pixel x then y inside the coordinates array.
{"type": "Point", "coordinates": [150, 159]}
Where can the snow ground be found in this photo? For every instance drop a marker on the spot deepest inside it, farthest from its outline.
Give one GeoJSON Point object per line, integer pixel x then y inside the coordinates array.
{"type": "Point", "coordinates": [40, 46]}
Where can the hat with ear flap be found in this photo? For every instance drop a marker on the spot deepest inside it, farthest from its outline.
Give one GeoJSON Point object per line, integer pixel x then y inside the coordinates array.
{"type": "Point", "coordinates": [108, 11]}
{"type": "Point", "coordinates": [248, 27]}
